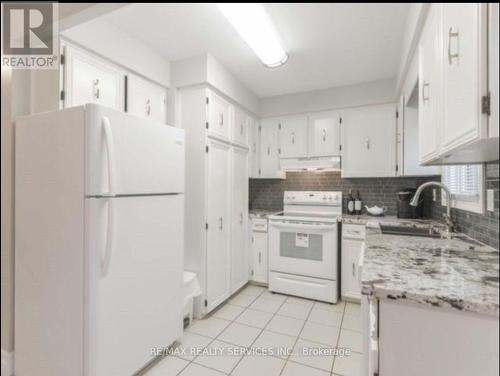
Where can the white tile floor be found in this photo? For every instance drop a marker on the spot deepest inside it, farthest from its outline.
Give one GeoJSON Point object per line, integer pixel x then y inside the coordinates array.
{"type": "Point", "coordinates": [283, 326]}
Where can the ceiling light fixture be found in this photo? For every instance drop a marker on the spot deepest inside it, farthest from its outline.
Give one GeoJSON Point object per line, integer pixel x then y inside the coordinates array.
{"type": "Point", "coordinates": [253, 24]}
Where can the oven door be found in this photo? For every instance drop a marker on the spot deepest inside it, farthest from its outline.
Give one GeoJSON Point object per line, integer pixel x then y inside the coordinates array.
{"type": "Point", "coordinates": [308, 249]}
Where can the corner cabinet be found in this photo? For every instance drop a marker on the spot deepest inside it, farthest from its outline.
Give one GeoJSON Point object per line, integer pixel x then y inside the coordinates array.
{"type": "Point", "coordinates": [269, 149]}
{"type": "Point", "coordinates": [369, 141]}
{"type": "Point", "coordinates": [455, 125]}
{"type": "Point", "coordinates": [216, 197]}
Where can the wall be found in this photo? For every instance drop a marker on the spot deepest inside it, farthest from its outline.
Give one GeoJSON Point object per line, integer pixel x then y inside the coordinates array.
{"type": "Point", "coordinates": [205, 69]}
{"type": "Point", "coordinates": [268, 193]}
{"type": "Point", "coordinates": [483, 227]}
{"type": "Point", "coordinates": [114, 44]}
{"type": "Point", "coordinates": [7, 214]}
{"type": "Point", "coordinates": [320, 100]}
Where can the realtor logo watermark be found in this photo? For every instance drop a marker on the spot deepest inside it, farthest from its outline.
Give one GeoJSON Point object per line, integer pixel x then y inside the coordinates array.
{"type": "Point", "coordinates": [30, 35]}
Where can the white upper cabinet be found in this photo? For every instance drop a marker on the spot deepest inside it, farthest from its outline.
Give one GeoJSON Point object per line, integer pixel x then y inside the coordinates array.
{"type": "Point", "coordinates": [240, 127]}
{"type": "Point", "coordinates": [253, 144]}
{"type": "Point", "coordinates": [369, 141]}
{"type": "Point", "coordinates": [464, 77]}
{"type": "Point", "coordinates": [219, 115]}
{"type": "Point", "coordinates": [146, 99]}
{"type": "Point", "coordinates": [455, 125]}
{"type": "Point", "coordinates": [324, 134]}
{"type": "Point", "coordinates": [88, 79]}
{"type": "Point", "coordinates": [293, 137]}
{"type": "Point", "coordinates": [268, 139]}
{"type": "Point", "coordinates": [429, 51]}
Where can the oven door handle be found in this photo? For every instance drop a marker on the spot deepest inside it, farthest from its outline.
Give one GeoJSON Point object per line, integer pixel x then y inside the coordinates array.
{"type": "Point", "coordinates": [302, 226]}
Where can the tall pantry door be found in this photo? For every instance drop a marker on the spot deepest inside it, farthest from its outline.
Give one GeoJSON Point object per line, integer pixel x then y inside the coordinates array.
{"type": "Point", "coordinates": [239, 253]}
{"type": "Point", "coordinates": [135, 263]}
{"type": "Point", "coordinates": [218, 219]}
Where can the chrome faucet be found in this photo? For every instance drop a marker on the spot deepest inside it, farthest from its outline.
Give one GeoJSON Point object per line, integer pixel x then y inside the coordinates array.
{"type": "Point", "coordinates": [447, 216]}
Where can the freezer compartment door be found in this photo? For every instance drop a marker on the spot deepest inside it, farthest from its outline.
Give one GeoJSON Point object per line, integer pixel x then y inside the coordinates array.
{"type": "Point", "coordinates": [128, 155]}
{"type": "Point", "coordinates": [135, 280]}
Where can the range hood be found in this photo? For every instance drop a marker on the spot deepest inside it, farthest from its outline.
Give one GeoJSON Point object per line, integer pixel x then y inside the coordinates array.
{"type": "Point", "coordinates": [310, 164]}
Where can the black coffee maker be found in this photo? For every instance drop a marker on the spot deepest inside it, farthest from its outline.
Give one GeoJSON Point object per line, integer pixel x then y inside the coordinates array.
{"type": "Point", "coordinates": [404, 209]}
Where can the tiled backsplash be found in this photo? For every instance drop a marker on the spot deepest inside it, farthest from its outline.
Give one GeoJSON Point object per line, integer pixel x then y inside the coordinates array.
{"type": "Point", "coordinates": [483, 227]}
{"type": "Point", "coordinates": [268, 193]}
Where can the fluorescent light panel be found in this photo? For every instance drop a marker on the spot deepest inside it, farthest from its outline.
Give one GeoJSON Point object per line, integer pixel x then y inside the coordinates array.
{"type": "Point", "coordinates": [253, 24]}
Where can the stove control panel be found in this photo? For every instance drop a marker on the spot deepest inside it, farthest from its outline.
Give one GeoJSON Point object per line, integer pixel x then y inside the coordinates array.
{"type": "Point", "coordinates": [332, 198]}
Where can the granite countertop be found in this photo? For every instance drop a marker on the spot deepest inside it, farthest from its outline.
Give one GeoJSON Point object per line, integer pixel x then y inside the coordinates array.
{"type": "Point", "coordinates": [458, 273]}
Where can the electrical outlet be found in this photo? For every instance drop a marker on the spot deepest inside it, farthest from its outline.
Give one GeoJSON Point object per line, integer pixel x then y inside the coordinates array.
{"type": "Point", "coordinates": [490, 200]}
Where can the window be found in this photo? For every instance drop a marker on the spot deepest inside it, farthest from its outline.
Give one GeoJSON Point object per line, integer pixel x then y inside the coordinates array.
{"type": "Point", "coordinates": [465, 182]}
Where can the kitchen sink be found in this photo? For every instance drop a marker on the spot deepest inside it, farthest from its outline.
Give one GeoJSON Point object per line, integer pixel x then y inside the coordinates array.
{"type": "Point", "coordinates": [428, 232]}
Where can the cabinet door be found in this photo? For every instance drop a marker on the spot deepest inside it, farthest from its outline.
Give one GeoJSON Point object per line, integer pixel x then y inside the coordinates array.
{"type": "Point", "coordinates": [324, 134]}
{"type": "Point", "coordinates": [240, 127]}
{"type": "Point", "coordinates": [269, 158]}
{"type": "Point", "coordinates": [88, 79]}
{"type": "Point", "coordinates": [293, 137]}
{"type": "Point", "coordinates": [253, 156]}
{"type": "Point", "coordinates": [351, 250]}
{"type": "Point", "coordinates": [259, 257]}
{"type": "Point", "coordinates": [239, 252]}
{"type": "Point", "coordinates": [146, 99]}
{"type": "Point", "coordinates": [369, 141]}
{"type": "Point", "coordinates": [464, 72]}
{"type": "Point", "coordinates": [429, 86]}
{"type": "Point", "coordinates": [219, 114]}
{"type": "Point", "coordinates": [218, 219]}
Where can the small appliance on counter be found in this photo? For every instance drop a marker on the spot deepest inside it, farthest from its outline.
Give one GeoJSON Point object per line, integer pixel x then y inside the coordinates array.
{"type": "Point", "coordinates": [404, 209]}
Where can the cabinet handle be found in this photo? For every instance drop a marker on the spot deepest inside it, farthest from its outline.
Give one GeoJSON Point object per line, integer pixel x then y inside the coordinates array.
{"type": "Point", "coordinates": [368, 143]}
{"type": "Point", "coordinates": [221, 223]}
{"type": "Point", "coordinates": [324, 135]}
{"type": "Point", "coordinates": [425, 98]}
{"type": "Point", "coordinates": [353, 270]}
{"type": "Point", "coordinates": [221, 119]}
{"type": "Point", "coordinates": [148, 107]}
{"type": "Point", "coordinates": [451, 35]}
{"type": "Point", "coordinates": [254, 148]}
{"type": "Point", "coordinates": [269, 150]}
{"type": "Point", "coordinates": [241, 218]}
{"type": "Point", "coordinates": [96, 88]}
{"type": "Point", "coordinates": [293, 137]}
{"type": "Point", "coordinates": [260, 258]}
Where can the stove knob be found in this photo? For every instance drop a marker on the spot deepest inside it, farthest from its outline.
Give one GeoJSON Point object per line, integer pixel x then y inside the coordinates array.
{"type": "Point", "coordinates": [324, 198]}
{"type": "Point", "coordinates": [330, 198]}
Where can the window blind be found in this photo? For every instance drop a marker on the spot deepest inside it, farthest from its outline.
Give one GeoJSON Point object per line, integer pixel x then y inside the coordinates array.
{"type": "Point", "coordinates": [463, 181]}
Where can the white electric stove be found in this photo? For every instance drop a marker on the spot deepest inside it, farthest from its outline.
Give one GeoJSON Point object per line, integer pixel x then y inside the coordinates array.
{"type": "Point", "coordinates": [303, 245]}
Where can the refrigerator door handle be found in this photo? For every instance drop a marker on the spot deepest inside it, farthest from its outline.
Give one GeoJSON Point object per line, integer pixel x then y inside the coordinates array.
{"type": "Point", "coordinates": [110, 149]}
{"type": "Point", "coordinates": [110, 238]}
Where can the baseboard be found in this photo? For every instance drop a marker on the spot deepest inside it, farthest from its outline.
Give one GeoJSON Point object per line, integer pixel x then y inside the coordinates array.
{"type": "Point", "coordinates": [7, 363]}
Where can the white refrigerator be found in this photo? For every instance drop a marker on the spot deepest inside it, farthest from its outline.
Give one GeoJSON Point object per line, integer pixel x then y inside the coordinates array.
{"type": "Point", "coordinates": [99, 229]}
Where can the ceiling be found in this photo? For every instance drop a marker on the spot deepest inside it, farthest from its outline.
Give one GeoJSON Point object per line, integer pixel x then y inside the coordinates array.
{"type": "Point", "coordinates": [329, 44]}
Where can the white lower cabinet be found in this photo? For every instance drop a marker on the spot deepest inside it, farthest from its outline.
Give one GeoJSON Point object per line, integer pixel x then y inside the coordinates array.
{"type": "Point", "coordinates": [259, 257]}
{"type": "Point", "coordinates": [352, 244]}
{"type": "Point", "coordinates": [146, 99]}
{"type": "Point", "coordinates": [239, 250]}
{"type": "Point", "coordinates": [369, 141]}
{"type": "Point", "coordinates": [423, 340]}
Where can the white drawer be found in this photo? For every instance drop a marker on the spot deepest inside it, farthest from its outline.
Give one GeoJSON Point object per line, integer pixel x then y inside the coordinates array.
{"type": "Point", "coordinates": [353, 231]}
{"type": "Point", "coordinates": [306, 287]}
{"type": "Point", "coordinates": [259, 224]}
